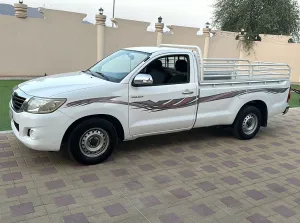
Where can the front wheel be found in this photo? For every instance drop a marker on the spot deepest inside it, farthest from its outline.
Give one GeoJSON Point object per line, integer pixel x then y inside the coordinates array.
{"type": "Point", "coordinates": [92, 141]}
{"type": "Point", "coordinates": [247, 123]}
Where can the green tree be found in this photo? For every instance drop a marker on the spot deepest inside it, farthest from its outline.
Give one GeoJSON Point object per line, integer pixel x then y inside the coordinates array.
{"type": "Point", "coordinates": [276, 17]}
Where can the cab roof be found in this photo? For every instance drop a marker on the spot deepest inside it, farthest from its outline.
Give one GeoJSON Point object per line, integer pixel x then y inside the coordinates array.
{"type": "Point", "coordinates": [159, 49]}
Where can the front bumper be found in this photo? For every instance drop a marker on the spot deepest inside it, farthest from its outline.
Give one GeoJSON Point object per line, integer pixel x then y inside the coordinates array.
{"type": "Point", "coordinates": [47, 129]}
{"type": "Point", "coordinates": [286, 110]}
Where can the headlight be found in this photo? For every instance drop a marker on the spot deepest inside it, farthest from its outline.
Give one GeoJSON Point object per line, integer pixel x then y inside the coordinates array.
{"type": "Point", "coordinates": [43, 105]}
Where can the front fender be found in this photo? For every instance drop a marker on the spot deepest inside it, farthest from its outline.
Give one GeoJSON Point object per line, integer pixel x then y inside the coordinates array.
{"type": "Point", "coordinates": [117, 109]}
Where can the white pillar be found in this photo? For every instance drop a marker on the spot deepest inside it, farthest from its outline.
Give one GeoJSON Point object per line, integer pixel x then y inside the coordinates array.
{"type": "Point", "coordinates": [159, 28]}
{"type": "Point", "coordinates": [100, 24]}
{"type": "Point", "coordinates": [241, 39]}
{"type": "Point", "coordinates": [206, 33]}
{"type": "Point", "coordinates": [20, 10]}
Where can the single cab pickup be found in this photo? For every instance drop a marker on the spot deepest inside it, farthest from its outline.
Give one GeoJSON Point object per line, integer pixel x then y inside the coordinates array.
{"type": "Point", "coordinates": [144, 91]}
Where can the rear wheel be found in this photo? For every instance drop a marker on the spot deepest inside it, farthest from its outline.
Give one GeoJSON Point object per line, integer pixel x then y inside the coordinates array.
{"type": "Point", "coordinates": [247, 123]}
{"type": "Point", "coordinates": [92, 141]}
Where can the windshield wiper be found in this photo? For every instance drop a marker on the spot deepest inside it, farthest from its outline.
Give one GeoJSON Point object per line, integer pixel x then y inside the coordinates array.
{"type": "Point", "coordinates": [93, 73]}
{"type": "Point", "coordinates": [88, 71]}
{"type": "Point", "coordinates": [102, 75]}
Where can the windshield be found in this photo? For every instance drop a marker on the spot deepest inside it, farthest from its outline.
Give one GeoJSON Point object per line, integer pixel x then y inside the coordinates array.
{"type": "Point", "coordinates": [118, 65]}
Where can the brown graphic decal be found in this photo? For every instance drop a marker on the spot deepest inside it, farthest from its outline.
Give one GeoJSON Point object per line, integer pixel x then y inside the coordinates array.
{"type": "Point", "coordinates": [173, 103]}
{"type": "Point", "coordinates": [95, 100]}
{"type": "Point", "coordinates": [165, 105]}
{"type": "Point", "coordinates": [220, 96]}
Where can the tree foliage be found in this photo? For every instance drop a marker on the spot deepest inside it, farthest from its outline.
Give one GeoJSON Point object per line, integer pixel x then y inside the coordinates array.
{"type": "Point", "coordinates": [276, 17]}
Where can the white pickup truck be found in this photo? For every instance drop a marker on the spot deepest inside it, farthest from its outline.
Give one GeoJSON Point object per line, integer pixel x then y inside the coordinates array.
{"type": "Point", "coordinates": [145, 91]}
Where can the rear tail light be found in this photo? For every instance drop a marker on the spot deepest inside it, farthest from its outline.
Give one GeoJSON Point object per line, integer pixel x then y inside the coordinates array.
{"type": "Point", "coordinates": [289, 96]}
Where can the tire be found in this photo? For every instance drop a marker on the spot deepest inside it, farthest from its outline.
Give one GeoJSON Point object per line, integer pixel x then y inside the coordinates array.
{"type": "Point", "coordinates": [92, 141]}
{"type": "Point", "coordinates": [247, 123]}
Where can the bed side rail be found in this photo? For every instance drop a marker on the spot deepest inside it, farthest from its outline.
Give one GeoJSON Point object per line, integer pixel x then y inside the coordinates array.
{"type": "Point", "coordinates": [236, 69]}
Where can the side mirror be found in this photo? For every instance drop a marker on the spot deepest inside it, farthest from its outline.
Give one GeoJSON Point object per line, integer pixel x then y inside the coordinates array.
{"type": "Point", "coordinates": [143, 80]}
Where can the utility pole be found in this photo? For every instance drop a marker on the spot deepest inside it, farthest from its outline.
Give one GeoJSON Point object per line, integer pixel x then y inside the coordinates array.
{"type": "Point", "coordinates": [114, 5]}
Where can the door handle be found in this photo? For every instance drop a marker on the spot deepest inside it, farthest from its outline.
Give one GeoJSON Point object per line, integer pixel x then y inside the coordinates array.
{"type": "Point", "coordinates": [137, 96]}
{"type": "Point", "coordinates": [187, 92]}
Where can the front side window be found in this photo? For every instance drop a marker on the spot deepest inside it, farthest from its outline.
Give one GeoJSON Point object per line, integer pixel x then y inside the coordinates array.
{"type": "Point", "coordinates": [168, 70]}
{"type": "Point", "coordinates": [118, 65]}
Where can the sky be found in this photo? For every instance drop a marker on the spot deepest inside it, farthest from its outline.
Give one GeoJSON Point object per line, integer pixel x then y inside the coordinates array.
{"type": "Point", "coordinates": [192, 13]}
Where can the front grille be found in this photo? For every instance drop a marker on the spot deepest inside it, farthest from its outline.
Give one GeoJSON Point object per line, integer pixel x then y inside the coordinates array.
{"type": "Point", "coordinates": [17, 101]}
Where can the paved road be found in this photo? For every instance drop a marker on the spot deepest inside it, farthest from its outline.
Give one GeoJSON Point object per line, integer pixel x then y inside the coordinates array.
{"type": "Point", "coordinates": [204, 175]}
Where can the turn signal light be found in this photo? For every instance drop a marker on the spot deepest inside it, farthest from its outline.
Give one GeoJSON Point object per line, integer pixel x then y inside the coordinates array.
{"type": "Point", "coordinates": [289, 96]}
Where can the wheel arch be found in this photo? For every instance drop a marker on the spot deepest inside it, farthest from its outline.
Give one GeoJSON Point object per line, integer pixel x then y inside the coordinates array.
{"type": "Point", "coordinates": [113, 120]}
{"type": "Point", "coordinates": [261, 106]}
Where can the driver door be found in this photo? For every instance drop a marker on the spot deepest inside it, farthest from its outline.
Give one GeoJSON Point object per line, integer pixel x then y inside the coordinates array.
{"type": "Point", "coordinates": [164, 106]}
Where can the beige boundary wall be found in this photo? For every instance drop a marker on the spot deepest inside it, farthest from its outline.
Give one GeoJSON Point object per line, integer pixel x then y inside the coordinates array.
{"type": "Point", "coordinates": [58, 43]}
{"type": "Point", "coordinates": [281, 52]}
{"type": "Point", "coordinates": [61, 42]}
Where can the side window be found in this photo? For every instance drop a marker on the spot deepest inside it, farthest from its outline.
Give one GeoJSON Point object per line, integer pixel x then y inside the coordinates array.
{"type": "Point", "coordinates": [168, 70]}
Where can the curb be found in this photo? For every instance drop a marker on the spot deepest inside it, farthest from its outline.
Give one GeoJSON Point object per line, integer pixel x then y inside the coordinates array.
{"type": "Point", "coordinates": [18, 78]}
{"type": "Point", "coordinates": [6, 132]}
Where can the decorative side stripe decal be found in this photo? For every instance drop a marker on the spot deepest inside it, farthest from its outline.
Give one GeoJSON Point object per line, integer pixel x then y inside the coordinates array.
{"type": "Point", "coordinates": [242, 92]}
{"type": "Point", "coordinates": [164, 105]}
{"type": "Point", "coordinates": [220, 96]}
{"type": "Point", "coordinates": [89, 101]}
{"type": "Point", "coordinates": [174, 103]}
